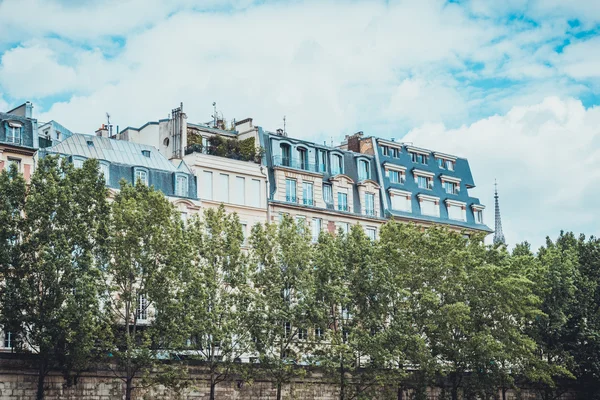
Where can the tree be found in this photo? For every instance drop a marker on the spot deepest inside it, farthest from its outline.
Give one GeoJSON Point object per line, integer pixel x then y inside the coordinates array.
{"type": "Point", "coordinates": [145, 250]}
{"type": "Point", "coordinates": [217, 295]}
{"type": "Point", "coordinates": [285, 298]}
{"type": "Point", "coordinates": [51, 302]}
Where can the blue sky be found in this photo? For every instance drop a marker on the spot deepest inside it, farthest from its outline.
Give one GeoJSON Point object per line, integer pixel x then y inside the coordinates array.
{"type": "Point", "coordinates": [514, 86]}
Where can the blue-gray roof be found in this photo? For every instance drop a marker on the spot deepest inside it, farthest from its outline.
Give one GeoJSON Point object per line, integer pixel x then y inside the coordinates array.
{"type": "Point", "coordinates": [27, 131]}
{"type": "Point", "coordinates": [114, 151]}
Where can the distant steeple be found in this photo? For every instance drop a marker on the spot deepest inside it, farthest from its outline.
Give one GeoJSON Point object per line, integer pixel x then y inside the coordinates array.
{"type": "Point", "coordinates": [498, 235]}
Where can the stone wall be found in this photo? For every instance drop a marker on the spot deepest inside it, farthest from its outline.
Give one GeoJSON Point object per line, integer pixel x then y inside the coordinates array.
{"type": "Point", "coordinates": [18, 381]}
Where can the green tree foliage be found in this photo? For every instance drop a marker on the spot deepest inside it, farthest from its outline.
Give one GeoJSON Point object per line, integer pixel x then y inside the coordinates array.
{"type": "Point", "coordinates": [50, 299]}
{"type": "Point", "coordinates": [144, 252]}
{"type": "Point", "coordinates": [216, 296]}
{"type": "Point", "coordinates": [284, 305]}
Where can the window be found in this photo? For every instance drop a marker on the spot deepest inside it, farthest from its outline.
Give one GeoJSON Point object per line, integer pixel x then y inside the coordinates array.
{"type": "Point", "coordinates": [146, 153]}
{"type": "Point", "coordinates": [342, 200]}
{"type": "Point", "coordinates": [419, 158]}
{"type": "Point", "coordinates": [105, 171]}
{"type": "Point", "coordinates": [424, 182]}
{"type": "Point", "coordinates": [223, 188]}
{"type": "Point", "coordinates": [288, 329]}
{"type": "Point", "coordinates": [205, 145]}
{"type": "Point", "coordinates": [450, 187]}
{"type": "Point", "coordinates": [207, 183]}
{"type": "Point", "coordinates": [396, 176]}
{"type": "Point", "coordinates": [13, 132]}
{"type": "Point", "coordinates": [142, 176]}
{"type": "Point", "coordinates": [239, 190]}
{"type": "Point", "coordinates": [301, 223]}
{"type": "Point", "coordinates": [336, 165]}
{"type": "Point", "coordinates": [428, 207]}
{"type": "Point", "coordinates": [184, 216]}
{"type": "Point", "coordinates": [478, 216]}
{"type": "Point", "coordinates": [290, 190]}
{"type": "Point", "coordinates": [369, 204]}
{"type": "Point", "coordinates": [286, 154]}
{"type": "Point", "coordinates": [344, 226]}
{"type": "Point", "coordinates": [327, 194]}
{"type": "Point", "coordinates": [322, 160]}
{"type": "Point", "coordinates": [307, 193]}
{"type": "Point", "coordinates": [16, 162]}
{"type": "Point", "coordinates": [445, 164]}
{"type": "Point", "coordinates": [254, 199]}
{"type": "Point", "coordinates": [302, 334]}
{"type": "Point", "coordinates": [371, 233]}
{"type": "Point", "coordinates": [395, 153]}
{"type": "Point", "coordinates": [318, 333]}
{"type": "Point", "coordinates": [456, 212]}
{"type": "Point", "coordinates": [385, 150]}
{"type": "Point", "coordinates": [78, 163]}
{"type": "Point", "coordinates": [142, 308]}
{"type": "Point", "coordinates": [401, 203]}
{"type": "Point", "coordinates": [8, 340]}
{"type": "Point", "coordinates": [363, 170]}
{"type": "Point", "coordinates": [316, 229]}
{"type": "Point", "coordinates": [302, 159]}
{"type": "Point", "coordinates": [245, 234]}
{"type": "Point", "coordinates": [181, 186]}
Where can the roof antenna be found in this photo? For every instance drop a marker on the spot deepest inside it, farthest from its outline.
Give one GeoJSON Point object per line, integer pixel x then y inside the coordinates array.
{"type": "Point", "coordinates": [284, 131]}
{"type": "Point", "coordinates": [214, 114]}
{"type": "Point", "coordinates": [108, 125]}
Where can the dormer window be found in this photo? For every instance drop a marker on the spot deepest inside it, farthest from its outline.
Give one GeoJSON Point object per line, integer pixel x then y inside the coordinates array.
{"type": "Point", "coordinates": [423, 179]}
{"type": "Point", "coordinates": [445, 164]}
{"type": "Point", "coordinates": [141, 175]}
{"type": "Point", "coordinates": [363, 170]}
{"type": "Point", "coordinates": [419, 158]}
{"type": "Point", "coordinates": [78, 162]}
{"type": "Point", "coordinates": [302, 158]}
{"type": "Point", "coordinates": [336, 164]}
{"type": "Point", "coordinates": [478, 213]}
{"type": "Point", "coordinates": [286, 154]}
{"type": "Point", "coordinates": [395, 173]}
{"type": "Point", "coordinates": [13, 132]}
{"type": "Point", "coordinates": [146, 153]}
{"type": "Point", "coordinates": [181, 185]}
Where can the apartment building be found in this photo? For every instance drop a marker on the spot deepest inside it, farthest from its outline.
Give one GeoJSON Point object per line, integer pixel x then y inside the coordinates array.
{"type": "Point", "coordinates": [131, 162]}
{"type": "Point", "coordinates": [18, 139]}
{"type": "Point", "coordinates": [326, 188]}
{"type": "Point", "coordinates": [422, 186]}
{"type": "Point", "coordinates": [225, 161]}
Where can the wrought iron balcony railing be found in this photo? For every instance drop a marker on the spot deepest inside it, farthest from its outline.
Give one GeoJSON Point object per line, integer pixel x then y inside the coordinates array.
{"type": "Point", "coordinates": [295, 163]}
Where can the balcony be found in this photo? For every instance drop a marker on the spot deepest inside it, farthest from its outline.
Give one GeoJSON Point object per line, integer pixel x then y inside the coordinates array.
{"type": "Point", "coordinates": [342, 207]}
{"type": "Point", "coordinates": [291, 199]}
{"type": "Point", "coordinates": [296, 163]}
{"type": "Point", "coordinates": [370, 212]}
{"type": "Point", "coordinates": [308, 202]}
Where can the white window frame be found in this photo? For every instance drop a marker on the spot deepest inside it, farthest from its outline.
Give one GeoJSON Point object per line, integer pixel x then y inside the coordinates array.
{"type": "Point", "coordinates": [182, 184]}
{"type": "Point", "coordinates": [363, 169]}
{"type": "Point", "coordinates": [291, 196]}
{"type": "Point", "coordinates": [240, 198]}
{"type": "Point", "coordinates": [142, 308]}
{"type": "Point", "coordinates": [14, 132]}
{"type": "Point", "coordinates": [224, 188]}
{"type": "Point", "coordinates": [429, 199]}
{"type": "Point", "coordinates": [459, 206]}
{"type": "Point", "coordinates": [406, 199]}
{"type": "Point", "coordinates": [371, 233]}
{"type": "Point", "coordinates": [335, 169]}
{"type": "Point", "coordinates": [104, 170]}
{"type": "Point", "coordinates": [317, 226]}
{"type": "Point", "coordinates": [308, 193]}
{"type": "Point", "coordinates": [137, 174]}
{"type": "Point", "coordinates": [329, 191]}
{"type": "Point", "coordinates": [207, 183]}
{"type": "Point", "coordinates": [342, 205]}
{"type": "Point", "coordinates": [371, 211]}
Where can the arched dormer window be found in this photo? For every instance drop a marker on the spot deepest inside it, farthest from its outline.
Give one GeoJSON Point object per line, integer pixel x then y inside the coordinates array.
{"type": "Point", "coordinates": [286, 154]}
{"type": "Point", "coordinates": [181, 185]}
{"type": "Point", "coordinates": [302, 154]}
{"type": "Point", "coordinates": [140, 174]}
{"type": "Point", "coordinates": [78, 161]}
{"type": "Point", "coordinates": [364, 169]}
{"type": "Point", "coordinates": [337, 164]}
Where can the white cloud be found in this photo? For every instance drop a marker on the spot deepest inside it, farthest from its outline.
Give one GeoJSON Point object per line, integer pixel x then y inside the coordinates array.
{"type": "Point", "coordinates": [546, 158]}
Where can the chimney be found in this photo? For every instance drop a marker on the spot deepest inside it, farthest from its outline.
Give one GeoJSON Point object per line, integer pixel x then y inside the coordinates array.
{"type": "Point", "coordinates": [354, 142]}
{"type": "Point", "coordinates": [102, 131]}
{"type": "Point", "coordinates": [280, 131]}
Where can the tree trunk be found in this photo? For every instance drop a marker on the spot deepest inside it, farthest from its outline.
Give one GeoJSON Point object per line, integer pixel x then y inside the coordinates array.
{"type": "Point", "coordinates": [503, 393]}
{"type": "Point", "coordinates": [212, 387]}
{"type": "Point", "coordinates": [128, 388]}
{"type": "Point", "coordinates": [41, 380]}
{"type": "Point", "coordinates": [342, 380]}
{"type": "Point", "coordinates": [454, 393]}
{"type": "Point", "coordinates": [278, 390]}
{"type": "Point", "coordinates": [400, 393]}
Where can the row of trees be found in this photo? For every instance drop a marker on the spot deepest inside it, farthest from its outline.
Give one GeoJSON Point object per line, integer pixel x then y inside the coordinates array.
{"type": "Point", "coordinates": [129, 284]}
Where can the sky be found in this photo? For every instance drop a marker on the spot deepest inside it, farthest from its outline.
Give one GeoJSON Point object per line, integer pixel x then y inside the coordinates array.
{"type": "Point", "coordinates": [513, 86]}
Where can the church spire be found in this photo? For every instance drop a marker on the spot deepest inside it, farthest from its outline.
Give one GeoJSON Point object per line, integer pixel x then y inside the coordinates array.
{"type": "Point", "coordinates": [498, 235]}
